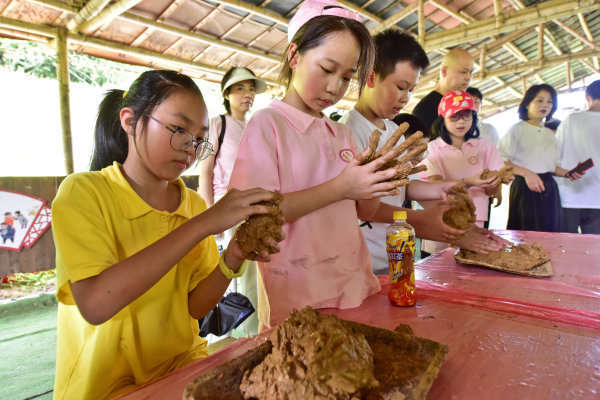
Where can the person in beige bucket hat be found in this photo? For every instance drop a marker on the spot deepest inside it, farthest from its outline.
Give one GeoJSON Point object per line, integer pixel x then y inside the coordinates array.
{"type": "Point", "coordinates": [239, 86]}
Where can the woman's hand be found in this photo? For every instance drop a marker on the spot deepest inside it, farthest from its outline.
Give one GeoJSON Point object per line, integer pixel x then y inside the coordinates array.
{"type": "Point", "coordinates": [363, 182]}
{"type": "Point", "coordinates": [234, 251]}
{"type": "Point", "coordinates": [534, 182]}
{"type": "Point", "coordinates": [235, 207]}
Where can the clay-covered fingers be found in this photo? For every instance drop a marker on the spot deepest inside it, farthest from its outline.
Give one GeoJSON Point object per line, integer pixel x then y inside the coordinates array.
{"type": "Point", "coordinates": [417, 169]}
{"type": "Point", "coordinates": [373, 142]}
{"type": "Point", "coordinates": [408, 144]}
{"type": "Point", "coordinates": [391, 142]}
{"type": "Point", "coordinates": [413, 153]}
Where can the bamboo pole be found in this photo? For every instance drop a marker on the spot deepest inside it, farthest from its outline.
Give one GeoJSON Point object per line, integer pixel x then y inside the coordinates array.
{"type": "Point", "coordinates": [62, 72]}
{"type": "Point", "coordinates": [540, 44]}
{"type": "Point", "coordinates": [421, 21]}
{"type": "Point", "coordinates": [577, 35]}
{"type": "Point", "coordinates": [482, 56]}
{"type": "Point", "coordinates": [588, 34]}
{"type": "Point", "coordinates": [529, 16]}
{"type": "Point", "coordinates": [89, 11]}
{"type": "Point", "coordinates": [107, 15]}
{"type": "Point", "coordinates": [498, 12]}
{"type": "Point", "coordinates": [360, 11]}
{"type": "Point", "coordinates": [394, 19]}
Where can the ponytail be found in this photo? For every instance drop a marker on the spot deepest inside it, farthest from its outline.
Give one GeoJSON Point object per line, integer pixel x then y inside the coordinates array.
{"type": "Point", "coordinates": [149, 90]}
{"type": "Point", "coordinates": [110, 142]}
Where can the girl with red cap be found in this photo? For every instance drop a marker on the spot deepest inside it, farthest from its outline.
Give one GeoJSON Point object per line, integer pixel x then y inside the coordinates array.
{"type": "Point", "coordinates": [459, 154]}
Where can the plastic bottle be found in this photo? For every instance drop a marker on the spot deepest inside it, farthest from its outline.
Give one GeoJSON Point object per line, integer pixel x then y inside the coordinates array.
{"type": "Point", "coordinates": [400, 240]}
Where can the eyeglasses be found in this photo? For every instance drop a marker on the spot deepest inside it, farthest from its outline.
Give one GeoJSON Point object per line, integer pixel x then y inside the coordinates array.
{"type": "Point", "coordinates": [466, 115]}
{"type": "Point", "coordinates": [182, 140]}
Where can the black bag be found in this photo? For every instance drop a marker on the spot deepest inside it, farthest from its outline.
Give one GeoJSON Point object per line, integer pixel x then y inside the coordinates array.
{"type": "Point", "coordinates": [221, 135]}
{"type": "Point", "coordinates": [228, 314]}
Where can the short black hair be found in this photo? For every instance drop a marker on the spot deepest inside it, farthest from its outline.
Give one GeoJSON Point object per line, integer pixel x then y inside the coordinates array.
{"type": "Point", "coordinates": [593, 90]}
{"type": "Point", "coordinates": [552, 124]}
{"type": "Point", "coordinates": [473, 91]}
{"type": "Point", "coordinates": [415, 124]}
{"type": "Point", "coordinates": [530, 95]}
{"type": "Point", "coordinates": [439, 129]}
{"type": "Point", "coordinates": [393, 46]}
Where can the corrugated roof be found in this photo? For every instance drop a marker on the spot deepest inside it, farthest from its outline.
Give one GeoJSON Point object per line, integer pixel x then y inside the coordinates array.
{"type": "Point", "coordinates": [204, 38]}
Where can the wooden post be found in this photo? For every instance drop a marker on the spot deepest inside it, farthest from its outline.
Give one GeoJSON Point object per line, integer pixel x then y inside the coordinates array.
{"type": "Point", "coordinates": [62, 72]}
{"type": "Point", "coordinates": [482, 56]}
{"type": "Point", "coordinates": [524, 84]}
{"type": "Point", "coordinates": [421, 21]}
{"type": "Point", "coordinates": [498, 13]}
{"type": "Point", "coordinates": [541, 43]}
{"type": "Point", "coordinates": [568, 69]}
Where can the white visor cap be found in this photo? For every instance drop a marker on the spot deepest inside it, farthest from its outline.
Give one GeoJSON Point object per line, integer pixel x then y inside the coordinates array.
{"type": "Point", "coordinates": [242, 74]}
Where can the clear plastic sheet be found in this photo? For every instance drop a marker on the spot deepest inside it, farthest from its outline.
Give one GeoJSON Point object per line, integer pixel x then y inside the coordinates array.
{"type": "Point", "coordinates": [510, 337]}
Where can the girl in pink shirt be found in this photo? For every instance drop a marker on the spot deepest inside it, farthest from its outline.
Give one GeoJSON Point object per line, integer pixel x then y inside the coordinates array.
{"type": "Point", "coordinates": [291, 147]}
{"type": "Point", "coordinates": [458, 154]}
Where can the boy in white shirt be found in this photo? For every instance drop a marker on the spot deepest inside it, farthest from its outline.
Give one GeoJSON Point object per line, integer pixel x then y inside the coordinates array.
{"type": "Point", "coordinates": [399, 61]}
{"type": "Point", "coordinates": [579, 139]}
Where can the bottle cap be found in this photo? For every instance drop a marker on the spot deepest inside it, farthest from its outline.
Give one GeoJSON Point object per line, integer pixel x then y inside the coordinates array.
{"type": "Point", "coordinates": [400, 215]}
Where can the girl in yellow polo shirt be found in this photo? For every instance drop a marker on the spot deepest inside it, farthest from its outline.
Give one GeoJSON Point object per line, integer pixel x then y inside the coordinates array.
{"type": "Point", "coordinates": [136, 261]}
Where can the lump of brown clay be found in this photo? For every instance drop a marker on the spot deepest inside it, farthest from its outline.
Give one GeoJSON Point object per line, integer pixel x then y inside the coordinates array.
{"type": "Point", "coordinates": [505, 174]}
{"type": "Point", "coordinates": [522, 257]}
{"type": "Point", "coordinates": [252, 235]}
{"type": "Point", "coordinates": [461, 214]}
{"type": "Point", "coordinates": [314, 356]}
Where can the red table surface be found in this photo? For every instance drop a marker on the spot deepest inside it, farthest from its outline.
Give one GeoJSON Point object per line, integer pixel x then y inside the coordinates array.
{"type": "Point", "coordinates": [509, 336]}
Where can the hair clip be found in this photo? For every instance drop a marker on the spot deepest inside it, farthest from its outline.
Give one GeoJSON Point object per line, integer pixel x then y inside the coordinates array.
{"type": "Point", "coordinates": [125, 93]}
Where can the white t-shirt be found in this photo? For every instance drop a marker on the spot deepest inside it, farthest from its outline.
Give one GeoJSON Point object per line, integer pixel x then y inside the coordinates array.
{"type": "Point", "coordinates": [487, 131]}
{"type": "Point", "coordinates": [532, 147]}
{"type": "Point", "coordinates": [578, 138]}
{"type": "Point", "coordinates": [361, 129]}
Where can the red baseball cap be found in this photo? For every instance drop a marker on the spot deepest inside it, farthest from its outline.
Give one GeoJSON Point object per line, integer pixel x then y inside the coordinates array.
{"type": "Point", "coordinates": [455, 101]}
{"type": "Point", "coordinates": [314, 8]}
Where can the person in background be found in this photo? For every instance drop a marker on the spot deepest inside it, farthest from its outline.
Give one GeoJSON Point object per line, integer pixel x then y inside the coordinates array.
{"type": "Point", "coordinates": [238, 88]}
{"type": "Point", "coordinates": [7, 232]}
{"type": "Point", "coordinates": [136, 261]}
{"type": "Point", "coordinates": [399, 60]}
{"type": "Point", "coordinates": [578, 139]}
{"type": "Point", "coordinates": [314, 163]}
{"type": "Point", "coordinates": [415, 125]}
{"type": "Point", "coordinates": [455, 74]}
{"type": "Point", "coordinates": [486, 131]}
{"type": "Point", "coordinates": [532, 150]}
{"type": "Point", "coordinates": [459, 154]}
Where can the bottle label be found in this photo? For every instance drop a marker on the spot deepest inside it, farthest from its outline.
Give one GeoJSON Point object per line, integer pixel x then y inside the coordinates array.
{"type": "Point", "coordinates": [400, 250]}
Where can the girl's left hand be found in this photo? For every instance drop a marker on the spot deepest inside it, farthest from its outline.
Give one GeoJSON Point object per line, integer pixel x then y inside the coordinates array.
{"type": "Point", "coordinates": [486, 184]}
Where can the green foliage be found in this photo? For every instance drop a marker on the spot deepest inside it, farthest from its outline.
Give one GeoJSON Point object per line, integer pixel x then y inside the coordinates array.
{"type": "Point", "coordinates": [39, 60]}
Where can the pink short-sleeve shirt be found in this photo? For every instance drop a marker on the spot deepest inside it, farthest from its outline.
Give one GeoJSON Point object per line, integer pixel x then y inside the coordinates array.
{"type": "Point", "coordinates": [324, 260]}
{"type": "Point", "coordinates": [226, 158]}
{"type": "Point", "coordinates": [454, 164]}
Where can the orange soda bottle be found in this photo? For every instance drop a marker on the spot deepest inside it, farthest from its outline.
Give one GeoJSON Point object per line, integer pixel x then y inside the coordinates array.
{"type": "Point", "coordinates": [400, 240]}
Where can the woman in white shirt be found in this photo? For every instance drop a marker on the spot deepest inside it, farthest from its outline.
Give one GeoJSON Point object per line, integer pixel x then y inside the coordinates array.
{"type": "Point", "coordinates": [533, 151]}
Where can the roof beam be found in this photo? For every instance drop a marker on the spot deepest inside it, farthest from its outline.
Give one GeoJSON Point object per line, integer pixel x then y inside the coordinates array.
{"type": "Point", "coordinates": [107, 15]}
{"type": "Point", "coordinates": [576, 34]}
{"type": "Point", "coordinates": [163, 27]}
{"type": "Point", "coordinates": [360, 11]}
{"type": "Point", "coordinates": [87, 12]}
{"type": "Point", "coordinates": [258, 11]}
{"type": "Point", "coordinates": [529, 16]}
{"type": "Point", "coordinates": [394, 19]}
